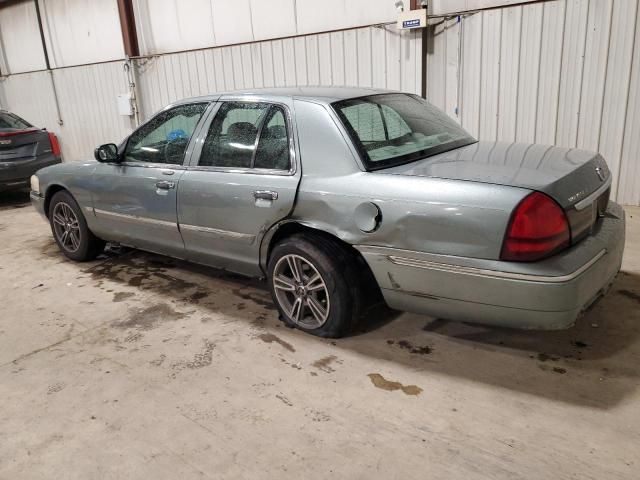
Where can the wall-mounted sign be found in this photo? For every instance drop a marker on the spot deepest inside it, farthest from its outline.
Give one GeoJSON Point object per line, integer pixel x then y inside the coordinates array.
{"type": "Point", "coordinates": [411, 19]}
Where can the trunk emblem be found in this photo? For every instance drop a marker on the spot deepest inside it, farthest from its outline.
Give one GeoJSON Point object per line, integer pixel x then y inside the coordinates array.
{"type": "Point", "coordinates": [600, 174]}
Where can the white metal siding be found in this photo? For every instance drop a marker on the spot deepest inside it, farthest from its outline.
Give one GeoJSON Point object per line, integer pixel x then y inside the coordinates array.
{"type": "Point", "coordinates": [80, 31]}
{"type": "Point", "coordinates": [87, 97]}
{"type": "Point", "coordinates": [176, 25]}
{"type": "Point", "coordinates": [20, 43]}
{"type": "Point", "coordinates": [379, 57]}
{"type": "Point", "coordinates": [560, 72]}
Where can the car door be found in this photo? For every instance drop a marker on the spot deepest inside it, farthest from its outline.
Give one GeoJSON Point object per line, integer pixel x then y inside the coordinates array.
{"type": "Point", "coordinates": [134, 200]}
{"type": "Point", "coordinates": [243, 179]}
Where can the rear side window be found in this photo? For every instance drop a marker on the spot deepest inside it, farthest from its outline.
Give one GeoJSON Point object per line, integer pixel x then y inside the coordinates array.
{"type": "Point", "coordinates": [247, 135]}
{"type": "Point", "coordinates": [9, 121]}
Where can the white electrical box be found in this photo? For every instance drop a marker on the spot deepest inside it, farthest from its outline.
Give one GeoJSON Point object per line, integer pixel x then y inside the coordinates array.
{"type": "Point", "coordinates": [125, 108]}
{"type": "Point", "coordinates": [411, 19]}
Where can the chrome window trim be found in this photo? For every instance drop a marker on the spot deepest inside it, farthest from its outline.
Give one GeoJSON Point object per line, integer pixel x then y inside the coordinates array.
{"type": "Point", "coordinates": [204, 131]}
{"type": "Point", "coordinates": [165, 166]}
{"type": "Point", "coordinates": [136, 218]}
{"type": "Point", "coordinates": [585, 202]}
{"type": "Point", "coordinates": [478, 272]}
{"type": "Point", "coordinates": [215, 231]}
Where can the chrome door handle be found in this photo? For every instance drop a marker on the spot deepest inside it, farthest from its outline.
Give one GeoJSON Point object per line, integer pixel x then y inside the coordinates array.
{"type": "Point", "coordinates": [167, 172]}
{"type": "Point", "coordinates": [265, 195]}
{"type": "Point", "coordinates": [165, 185]}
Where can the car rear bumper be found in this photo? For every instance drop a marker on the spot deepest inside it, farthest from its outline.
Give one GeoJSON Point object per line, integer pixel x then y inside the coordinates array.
{"type": "Point", "coordinates": [549, 294]}
{"type": "Point", "coordinates": [16, 174]}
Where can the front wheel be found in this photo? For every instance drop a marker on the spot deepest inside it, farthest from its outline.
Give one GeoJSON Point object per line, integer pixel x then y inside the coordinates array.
{"type": "Point", "coordinates": [70, 230]}
{"type": "Point", "coordinates": [314, 285]}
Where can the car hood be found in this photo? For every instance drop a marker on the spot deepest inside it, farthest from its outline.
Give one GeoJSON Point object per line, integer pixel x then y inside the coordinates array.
{"type": "Point", "coordinates": [566, 174]}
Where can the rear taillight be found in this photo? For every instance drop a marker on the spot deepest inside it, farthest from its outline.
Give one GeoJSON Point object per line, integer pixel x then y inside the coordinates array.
{"type": "Point", "coordinates": [538, 228]}
{"type": "Point", "coordinates": [55, 146]}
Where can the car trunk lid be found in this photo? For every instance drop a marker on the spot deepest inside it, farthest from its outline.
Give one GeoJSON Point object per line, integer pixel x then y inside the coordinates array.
{"type": "Point", "coordinates": [19, 145]}
{"type": "Point", "coordinates": [577, 179]}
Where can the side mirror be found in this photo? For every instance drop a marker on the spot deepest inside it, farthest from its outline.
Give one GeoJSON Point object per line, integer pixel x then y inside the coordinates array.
{"type": "Point", "coordinates": [106, 153]}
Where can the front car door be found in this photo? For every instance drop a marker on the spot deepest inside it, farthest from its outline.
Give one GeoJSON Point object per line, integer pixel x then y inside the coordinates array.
{"type": "Point", "coordinates": [242, 179]}
{"type": "Point", "coordinates": [135, 200]}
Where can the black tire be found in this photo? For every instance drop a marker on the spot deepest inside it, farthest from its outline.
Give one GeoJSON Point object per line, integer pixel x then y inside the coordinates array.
{"type": "Point", "coordinates": [87, 246]}
{"type": "Point", "coordinates": [338, 270]}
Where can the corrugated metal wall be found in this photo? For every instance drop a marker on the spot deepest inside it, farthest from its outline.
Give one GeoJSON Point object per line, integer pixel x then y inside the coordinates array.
{"type": "Point", "coordinates": [372, 56]}
{"type": "Point", "coordinates": [560, 72]}
{"type": "Point", "coordinates": [87, 98]}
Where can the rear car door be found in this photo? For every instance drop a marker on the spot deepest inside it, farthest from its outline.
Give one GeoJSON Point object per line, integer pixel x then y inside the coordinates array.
{"type": "Point", "coordinates": [242, 179]}
{"type": "Point", "coordinates": [135, 200]}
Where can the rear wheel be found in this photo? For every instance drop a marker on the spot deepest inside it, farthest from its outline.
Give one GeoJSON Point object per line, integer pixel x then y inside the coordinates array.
{"type": "Point", "coordinates": [314, 284]}
{"type": "Point", "coordinates": [70, 230]}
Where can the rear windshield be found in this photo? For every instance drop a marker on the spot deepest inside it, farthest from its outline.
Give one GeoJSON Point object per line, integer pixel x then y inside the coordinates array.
{"type": "Point", "coordinates": [11, 121]}
{"type": "Point", "coordinates": [396, 128]}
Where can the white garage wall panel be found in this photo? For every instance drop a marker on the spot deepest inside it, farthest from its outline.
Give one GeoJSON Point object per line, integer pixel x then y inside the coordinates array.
{"type": "Point", "coordinates": [175, 25]}
{"type": "Point", "coordinates": [20, 44]}
{"type": "Point", "coordinates": [30, 95]}
{"type": "Point", "coordinates": [79, 31]}
{"type": "Point", "coordinates": [378, 57]}
{"type": "Point", "coordinates": [560, 72]}
{"type": "Point", "coordinates": [87, 97]}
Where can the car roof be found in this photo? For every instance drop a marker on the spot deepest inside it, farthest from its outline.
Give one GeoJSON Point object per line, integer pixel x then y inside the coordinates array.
{"type": "Point", "coordinates": [323, 95]}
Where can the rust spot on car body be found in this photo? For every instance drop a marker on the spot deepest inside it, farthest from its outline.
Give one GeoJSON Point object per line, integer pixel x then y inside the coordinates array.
{"type": "Point", "coordinates": [380, 382]}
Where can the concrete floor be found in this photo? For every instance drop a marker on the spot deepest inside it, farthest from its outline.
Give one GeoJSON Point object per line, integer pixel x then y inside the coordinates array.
{"type": "Point", "coordinates": [139, 366]}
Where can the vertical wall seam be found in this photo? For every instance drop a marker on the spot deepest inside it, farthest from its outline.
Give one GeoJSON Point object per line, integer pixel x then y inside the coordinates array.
{"type": "Point", "coordinates": [497, 129]}
{"type": "Point", "coordinates": [480, 70]}
{"type": "Point", "coordinates": [515, 119]}
{"type": "Point", "coordinates": [606, 72]}
{"type": "Point", "coordinates": [564, 33]}
{"type": "Point", "coordinates": [535, 120]}
{"type": "Point", "coordinates": [584, 52]}
{"type": "Point", "coordinates": [626, 107]}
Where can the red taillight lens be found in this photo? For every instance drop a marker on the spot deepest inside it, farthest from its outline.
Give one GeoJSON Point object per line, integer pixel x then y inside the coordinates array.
{"type": "Point", "coordinates": [55, 146]}
{"type": "Point", "coordinates": [538, 228]}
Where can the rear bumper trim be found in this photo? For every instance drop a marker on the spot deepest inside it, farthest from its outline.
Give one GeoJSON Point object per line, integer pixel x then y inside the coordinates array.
{"type": "Point", "coordinates": [446, 267]}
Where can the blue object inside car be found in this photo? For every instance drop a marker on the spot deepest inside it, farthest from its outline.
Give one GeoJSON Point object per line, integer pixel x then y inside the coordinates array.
{"type": "Point", "coordinates": [176, 134]}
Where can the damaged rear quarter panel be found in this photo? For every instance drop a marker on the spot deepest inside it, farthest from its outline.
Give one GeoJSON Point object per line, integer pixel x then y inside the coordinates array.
{"type": "Point", "coordinates": [451, 217]}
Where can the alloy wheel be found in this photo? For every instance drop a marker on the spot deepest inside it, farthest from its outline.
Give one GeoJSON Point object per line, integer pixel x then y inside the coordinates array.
{"type": "Point", "coordinates": [301, 291]}
{"type": "Point", "coordinates": [66, 227]}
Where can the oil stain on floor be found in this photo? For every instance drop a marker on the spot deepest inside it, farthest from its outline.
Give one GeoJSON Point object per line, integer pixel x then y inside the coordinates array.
{"type": "Point", "coordinates": [271, 338]}
{"type": "Point", "coordinates": [389, 385]}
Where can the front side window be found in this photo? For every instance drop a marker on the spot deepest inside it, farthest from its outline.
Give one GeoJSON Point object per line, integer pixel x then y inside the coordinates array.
{"type": "Point", "coordinates": [392, 129]}
{"type": "Point", "coordinates": [165, 138]}
{"type": "Point", "coordinates": [247, 135]}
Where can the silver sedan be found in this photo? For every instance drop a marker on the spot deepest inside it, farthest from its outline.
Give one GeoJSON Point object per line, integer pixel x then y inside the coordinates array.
{"type": "Point", "coordinates": [336, 195]}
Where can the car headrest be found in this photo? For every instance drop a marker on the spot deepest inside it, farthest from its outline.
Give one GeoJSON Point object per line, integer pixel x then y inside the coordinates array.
{"type": "Point", "coordinates": [242, 132]}
{"type": "Point", "coordinates": [277, 131]}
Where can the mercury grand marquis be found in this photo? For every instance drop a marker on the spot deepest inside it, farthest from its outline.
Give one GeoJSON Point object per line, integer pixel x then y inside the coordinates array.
{"type": "Point", "coordinates": [323, 190]}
